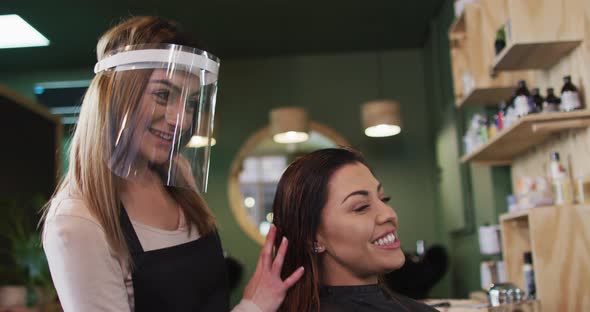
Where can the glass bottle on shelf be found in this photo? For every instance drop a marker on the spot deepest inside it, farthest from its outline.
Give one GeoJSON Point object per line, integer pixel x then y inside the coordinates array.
{"type": "Point", "coordinates": [551, 103]}
{"type": "Point", "coordinates": [570, 98]}
{"type": "Point", "coordinates": [500, 42]}
{"type": "Point", "coordinates": [529, 275]}
{"type": "Point", "coordinates": [537, 100]}
{"type": "Point", "coordinates": [522, 99]}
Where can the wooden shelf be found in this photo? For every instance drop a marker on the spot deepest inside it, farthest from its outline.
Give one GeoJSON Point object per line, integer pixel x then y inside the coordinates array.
{"type": "Point", "coordinates": [457, 29]}
{"type": "Point", "coordinates": [533, 55]}
{"type": "Point", "coordinates": [469, 36]}
{"type": "Point", "coordinates": [485, 96]}
{"type": "Point", "coordinates": [516, 215]}
{"type": "Point", "coordinates": [524, 134]}
{"type": "Point", "coordinates": [522, 215]}
{"type": "Point", "coordinates": [557, 236]}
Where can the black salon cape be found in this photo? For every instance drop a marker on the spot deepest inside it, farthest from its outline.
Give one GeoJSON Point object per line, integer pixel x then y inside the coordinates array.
{"type": "Point", "coordinates": [366, 298]}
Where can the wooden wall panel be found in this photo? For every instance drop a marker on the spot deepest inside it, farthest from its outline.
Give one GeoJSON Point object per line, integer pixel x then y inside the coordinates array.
{"type": "Point", "coordinates": [558, 236]}
{"type": "Point", "coordinates": [560, 239]}
{"type": "Point", "coordinates": [515, 242]}
{"type": "Point", "coordinates": [545, 20]}
{"type": "Point", "coordinates": [574, 146]}
{"type": "Point", "coordinates": [494, 14]}
{"type": "Point", "coordinates": [460, 61]}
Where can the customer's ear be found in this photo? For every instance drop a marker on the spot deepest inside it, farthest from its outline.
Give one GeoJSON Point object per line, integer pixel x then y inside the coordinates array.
{"type": "Point", "coordinates": [318, 247]}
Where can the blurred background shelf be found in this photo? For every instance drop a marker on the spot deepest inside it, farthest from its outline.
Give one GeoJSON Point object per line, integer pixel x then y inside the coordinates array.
{"type": "Point", "coordinates": [527, 132]}
{"type": "Point", "coordinates": [558, 238]}
{"type": "Point", "coordinates": [457, 29]}
{"type": "Point", "coordinates": [472, 53]}
{"type": "Point", "coordinates": [485, 96]}
{"type": "Point", "coordinates": [533, 55]}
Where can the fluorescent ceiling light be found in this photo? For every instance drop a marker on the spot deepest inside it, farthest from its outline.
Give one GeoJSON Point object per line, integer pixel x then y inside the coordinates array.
{"type": "Point", "coordinates": [19, 34]}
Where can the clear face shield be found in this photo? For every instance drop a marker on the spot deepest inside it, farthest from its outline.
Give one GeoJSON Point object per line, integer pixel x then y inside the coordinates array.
{"type": "Point", "coordinates": [161, 113]}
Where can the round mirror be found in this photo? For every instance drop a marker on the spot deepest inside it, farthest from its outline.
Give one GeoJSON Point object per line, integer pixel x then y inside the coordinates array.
{"type": "Point", "coordinates": [256, 171]}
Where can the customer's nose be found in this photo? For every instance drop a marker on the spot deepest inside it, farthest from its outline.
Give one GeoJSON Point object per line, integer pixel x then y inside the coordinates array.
{"type": "Point", "coordinates": [385, 213]}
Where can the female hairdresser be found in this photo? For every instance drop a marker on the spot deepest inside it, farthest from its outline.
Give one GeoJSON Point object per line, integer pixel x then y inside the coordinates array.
{"type": "Point", "coordinates": [335, 214]}
{"type": "Point", "coordinates": [127, 229]}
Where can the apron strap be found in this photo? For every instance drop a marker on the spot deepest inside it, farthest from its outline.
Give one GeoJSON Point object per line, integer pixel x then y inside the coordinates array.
{"type": "Point", "coordinates": [129, 232]}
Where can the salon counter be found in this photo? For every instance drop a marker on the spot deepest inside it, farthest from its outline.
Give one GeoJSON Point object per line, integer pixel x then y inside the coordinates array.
{"type": "Point", "coordinates": [454, 305]}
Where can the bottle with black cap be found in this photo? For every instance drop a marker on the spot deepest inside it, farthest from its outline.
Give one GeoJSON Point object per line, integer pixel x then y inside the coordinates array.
{"type": "Point", "coordinates": [537, 100]}
{"type": "Point", "coordinates": [529, 275]}
{"type": "Point", "coordinates": [570, 98]}
{"type": "Point", "coordinates": [551, 103]}
{"type": "Point", "coordinates": [500, 42]}
{"type": "Point", "coordinates": [522, 99]}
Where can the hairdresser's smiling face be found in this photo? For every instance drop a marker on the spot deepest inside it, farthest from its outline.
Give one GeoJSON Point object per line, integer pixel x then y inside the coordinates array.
{"type": "Point", "coordinates": [358, 229]}
{"type": "Point", "coordinates": [174, 99]}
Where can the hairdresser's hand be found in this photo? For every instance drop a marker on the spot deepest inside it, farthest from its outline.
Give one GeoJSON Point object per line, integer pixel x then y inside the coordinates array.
{"type": "Point", "coordinates": [266, 289]}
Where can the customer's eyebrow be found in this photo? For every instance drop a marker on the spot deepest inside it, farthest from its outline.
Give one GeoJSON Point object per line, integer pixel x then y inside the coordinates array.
{"type": "Point", "coordinates": [362, 192]}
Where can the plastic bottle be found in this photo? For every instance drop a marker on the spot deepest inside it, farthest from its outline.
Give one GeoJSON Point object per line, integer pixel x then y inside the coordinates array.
{"type": "Point", "coordinates": [562, 185]}
{"type": "Point", "coordinates": [556, 170]}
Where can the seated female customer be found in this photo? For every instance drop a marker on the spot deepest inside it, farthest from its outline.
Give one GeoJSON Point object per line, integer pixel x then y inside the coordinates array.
{"type": "Point", "coordinates": [335, 215]}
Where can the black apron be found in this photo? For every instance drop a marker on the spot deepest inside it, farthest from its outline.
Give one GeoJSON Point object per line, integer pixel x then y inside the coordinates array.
{"type": "Point", "coordinates": [187, 277]}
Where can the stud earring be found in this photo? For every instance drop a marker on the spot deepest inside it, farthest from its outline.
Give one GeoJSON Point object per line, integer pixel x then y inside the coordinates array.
{"type": "Point", "coordinates": [317, 248]}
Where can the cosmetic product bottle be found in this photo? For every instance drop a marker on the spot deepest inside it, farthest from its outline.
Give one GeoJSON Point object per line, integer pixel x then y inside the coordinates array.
{"type": "Point", "coordinates": [570, 98]}
{"type": "Point", "coordinates": [529, 275]}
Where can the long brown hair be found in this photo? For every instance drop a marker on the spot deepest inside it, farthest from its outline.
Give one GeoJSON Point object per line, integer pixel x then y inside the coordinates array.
{"type": "Point", "coordinates": [301, 195]}
{"type": "Point", "coordinates": [88, 176]}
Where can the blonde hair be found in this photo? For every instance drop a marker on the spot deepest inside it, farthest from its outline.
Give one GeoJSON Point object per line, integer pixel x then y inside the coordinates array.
{"type": "Point", "coordinates": [88, 176]}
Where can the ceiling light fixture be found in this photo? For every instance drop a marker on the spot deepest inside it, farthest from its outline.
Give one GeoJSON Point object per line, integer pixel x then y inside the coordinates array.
{"type": "Point", "coordinates": [381, 118]}
{"type": "Point", "coordinates": [289, 125]}
{"type": "Point", "coordinates": [19, 33]}
{"type": "Point", "coordinates": [201, 137]}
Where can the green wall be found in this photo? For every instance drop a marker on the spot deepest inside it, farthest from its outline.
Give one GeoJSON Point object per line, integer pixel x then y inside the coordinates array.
{"type": "Point", "coordinates": [468, 196]}
{"type": "Point", "coordinates": [331, 87]}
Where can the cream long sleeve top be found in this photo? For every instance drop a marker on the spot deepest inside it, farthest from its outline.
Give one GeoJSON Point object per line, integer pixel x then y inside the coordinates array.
{"type": "Point", "coordinates": [87, 275]}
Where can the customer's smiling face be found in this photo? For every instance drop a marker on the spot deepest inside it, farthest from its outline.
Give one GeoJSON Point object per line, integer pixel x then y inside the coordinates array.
{"type": "Point", "coordinates": [358, 229]}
